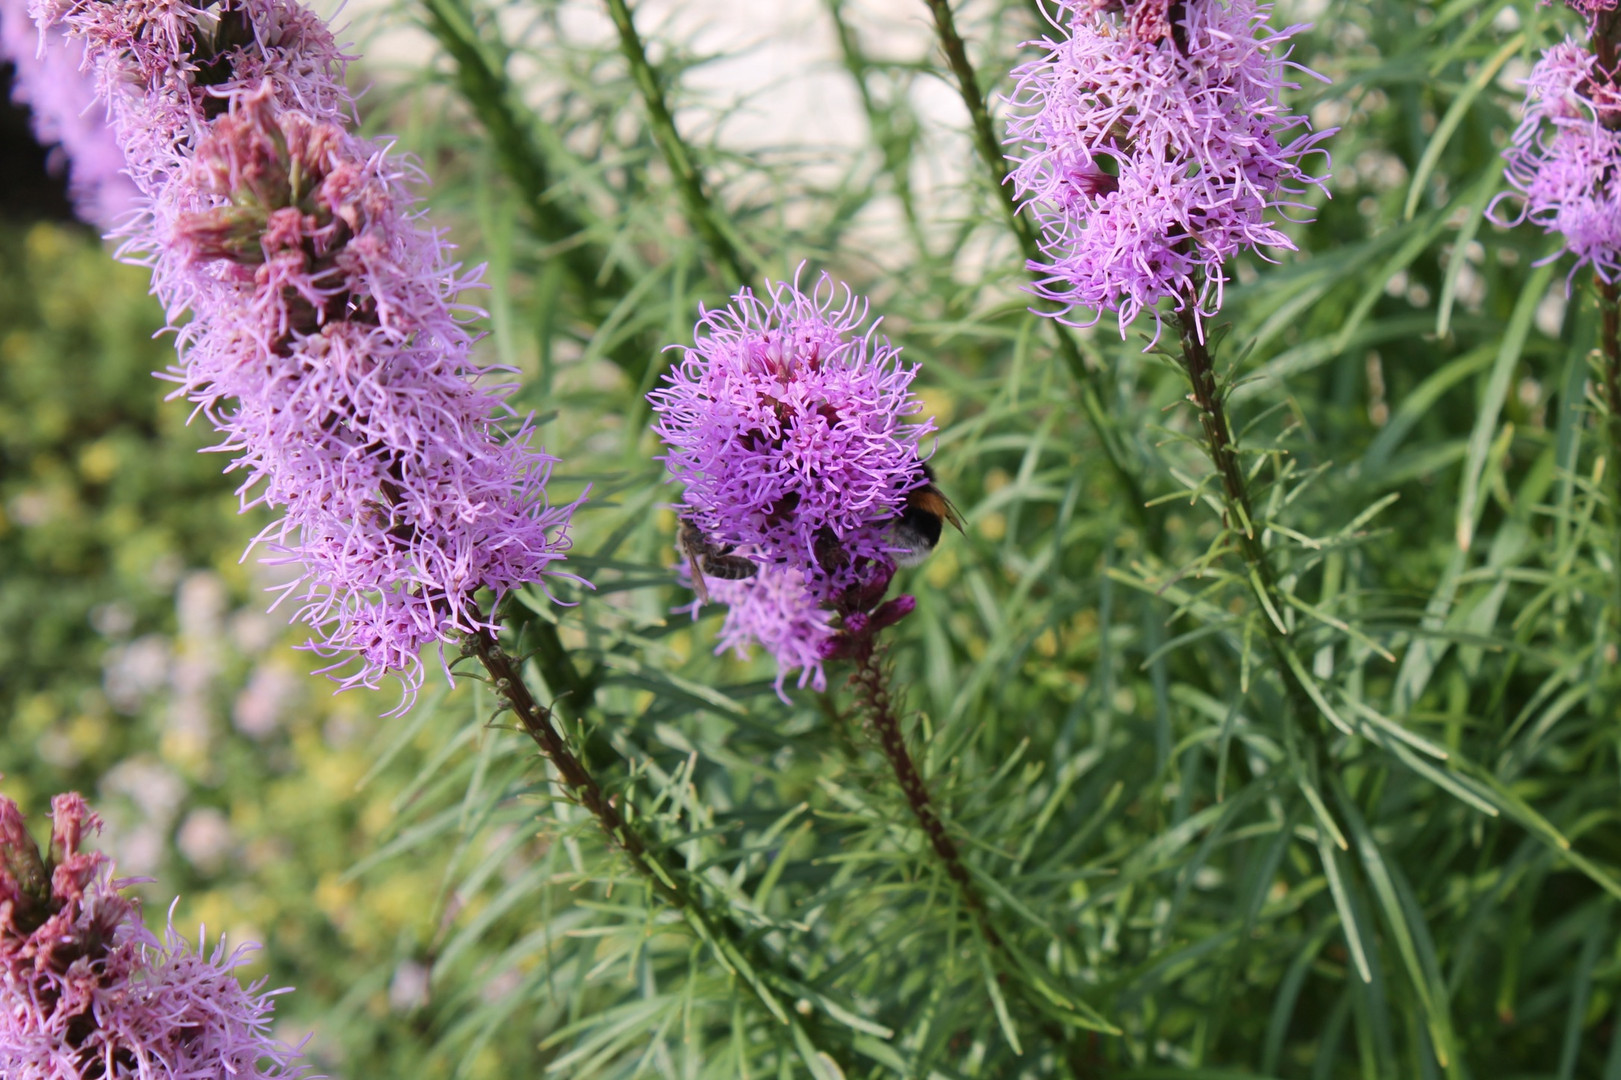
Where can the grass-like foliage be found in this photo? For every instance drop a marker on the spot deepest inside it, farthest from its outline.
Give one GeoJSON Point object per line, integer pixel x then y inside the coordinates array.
{"type": "Point", "coordinates": [1264, 724]}
{"type": "Point", "coordinates": [1358, 821]}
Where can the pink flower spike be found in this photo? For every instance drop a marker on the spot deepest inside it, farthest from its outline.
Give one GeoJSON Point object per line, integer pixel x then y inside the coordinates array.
{"type": "Point", "coordinates": [776, 611]}
{"type": "Point", "coordinates": [786, 422]}
{"type": "Point", "coordinates": [1152, 144]}
{"type": "Point", "coordinates": [1564, 161]}
{"type": "Point", "coordinates": [86, 991]}
{"type": "Point", "coordinates": [52, 80]}
{"type": "Point", "coordinates": [326, 341]}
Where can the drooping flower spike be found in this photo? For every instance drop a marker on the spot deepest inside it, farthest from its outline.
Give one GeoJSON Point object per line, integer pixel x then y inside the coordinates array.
{"type": "Point", "coordinates": [776, 611]}
{"type": "Point", "coordinates": [88, 993]}
{"type": "Point", "coordinates": [1153, 146]}
{"type": "Point", "coordinates": [325, 340]}
{"type": "Point", "coordinates": [1564, 161]}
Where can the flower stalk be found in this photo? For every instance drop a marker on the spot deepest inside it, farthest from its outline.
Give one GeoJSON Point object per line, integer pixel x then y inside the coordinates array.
{"type": "Point", "coordinates": [695, 201]}
{"type": "Point", "coordinates": [1086, 378]}
{"type": "Point", "coordinates": [871, 681]}
{"type": "Point", "coordinates": [744, 956]}
{"type": "Point", "coordinates": [878, 703]}
{"type": "Point", "coordinates": [1609, 302]}
{"type": "Point", "coordinates": [1209, 399]}
{"type": "Point", "coordinates": [1606, 27]}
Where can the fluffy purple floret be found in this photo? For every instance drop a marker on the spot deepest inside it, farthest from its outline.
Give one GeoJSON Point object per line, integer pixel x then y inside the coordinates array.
{"type": "Point", "coordinates": [1564, 161]}
{"type": "Point", "coordinates": [1153, 146]}
{"type": "Point", "coordinates": [324, 339]}
{"type": "Point", "coordinates": [785, 421]}
{"type": "Point", "coordinates": [775, 610]}
{"type": "Point", "coordinates": [61, 97]}
{"type": "Point", "coordinates": [1591, 8]}
{"type": "Point", "coordinates": [86, 991]}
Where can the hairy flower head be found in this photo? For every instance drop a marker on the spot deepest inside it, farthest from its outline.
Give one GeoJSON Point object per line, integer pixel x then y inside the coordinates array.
{"type": "Point", "coordinates": [1152, 143]}
{"type": "Point", "coordinates": [88, 993]}
{"type": "Point", "coordinates": [325, 340]}
{"type": "Point", "coordinates": [775, 610]}
{"type": "Point", "coordinates": [1564, 161]}
{"type": "Point", "coordinates": [786, 422]}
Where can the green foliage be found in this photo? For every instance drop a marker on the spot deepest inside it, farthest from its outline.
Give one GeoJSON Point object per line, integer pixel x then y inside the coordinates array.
{"type": "Point", "coordinates": [104, 501]}
{"type": "Point", "coordinates": [1358, 820]}
{"type": "Point", "coordinates": [139, 667]}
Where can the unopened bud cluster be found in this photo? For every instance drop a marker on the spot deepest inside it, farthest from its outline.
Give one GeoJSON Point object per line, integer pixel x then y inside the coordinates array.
{"type": "Point", "coordinates": [88, 993]}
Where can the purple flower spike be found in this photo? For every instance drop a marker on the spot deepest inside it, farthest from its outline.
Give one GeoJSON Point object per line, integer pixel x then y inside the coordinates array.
{"type": "Point", "coordinates": [1152, 145]}
{"type": "Point", "coordinates": [785, 421]}
{"type": "Point", "coordinates": [775, 610]}
{"type": "Point", "coordinates": [325, 340]}
{"type": "Point", "coordinates": [86, 991]}
{"type": "Point", "coordinates": [1564, 161]}
{"type": "Point", "coordinates": [50, 80]}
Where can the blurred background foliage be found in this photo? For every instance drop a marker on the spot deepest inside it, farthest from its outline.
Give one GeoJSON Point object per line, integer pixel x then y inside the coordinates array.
{"type": "Point", "coordinates": [1414, 877]}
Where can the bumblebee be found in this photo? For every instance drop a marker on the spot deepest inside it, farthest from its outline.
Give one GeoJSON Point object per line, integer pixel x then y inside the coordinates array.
{"type": "Point", "coordinates": [916, 532]}
{"type": "Point", "coordinates": [705, 556]}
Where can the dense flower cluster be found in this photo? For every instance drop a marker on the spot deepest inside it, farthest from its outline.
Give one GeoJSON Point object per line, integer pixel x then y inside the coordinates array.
{"type": "Point", "coordinates": [1152, 145]}
{"type": "Point", "coordinates": [1564, 161]}
{"type": "Point", "coordinates": [49, 79]}
{"type": "Point", "coordinates": [785, 421]}
{"type": "Point", "coordinates": [324, 338]}
{"type": "Point", "coordinates": [775, 610]}
{"type": "Point", "coordinates": [86, 991]}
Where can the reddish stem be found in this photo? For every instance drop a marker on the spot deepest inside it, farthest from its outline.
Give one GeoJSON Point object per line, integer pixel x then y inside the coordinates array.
{"type": "Point", "coordinates": [872, 689]}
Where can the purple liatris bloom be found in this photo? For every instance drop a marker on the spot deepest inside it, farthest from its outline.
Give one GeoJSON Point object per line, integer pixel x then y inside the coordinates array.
{"type": "Point", "coordinates": [775, 610]}
{"type": "Point", "coordinates": [88, 993]}
{"type": "Point", "coordinates": [324, 339]}
{"type": "Point", "coordinates": [1153, 146]}
{"type": "Point", "coordinates": [787, 423]}
{"type": "Point", "coordinates": [61, 98]}
{"type": "Point", "coordinates": [1564, 161]}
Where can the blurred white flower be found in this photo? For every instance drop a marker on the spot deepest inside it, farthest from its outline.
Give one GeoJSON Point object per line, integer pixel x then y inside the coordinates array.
{"type": "Point", "coordinates": [205, 839]}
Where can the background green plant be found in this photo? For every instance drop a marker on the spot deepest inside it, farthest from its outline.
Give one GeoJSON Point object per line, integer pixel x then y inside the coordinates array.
{"type": "Point", "coordinates": [1413, 875]}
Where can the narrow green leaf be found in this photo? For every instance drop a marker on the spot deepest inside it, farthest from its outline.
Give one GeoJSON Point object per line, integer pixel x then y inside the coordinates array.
{"type": "Point", "coordinates": [1342, 902]}
{"type": "Point", "coordinates": [1454, 116]}
{"type": "Point", "coordinates": [1425, 978]}
{"type": "Point", "coordinates": [1491, 403]}
{"type": "Point", "coordinates": [1581, 986]}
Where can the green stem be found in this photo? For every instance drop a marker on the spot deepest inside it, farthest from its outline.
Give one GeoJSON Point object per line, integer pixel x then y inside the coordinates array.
{"type": "Point", "coordinates": [873, 693]}
{"type": "Point", "coordinates": [1609, 302]}
{"type": "Point", "coordinates": [984, 134]}
{"type": "Point", "coordinates": [485, 87]}
{"type": "Point", "coordinates": [1210, 401]}
{"type": "Point", "coordinates": [734, 946]}
{"type": "Point", "coordinates": [990, 152]}
{"type": "Point", "coordinates": [695, 201]}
